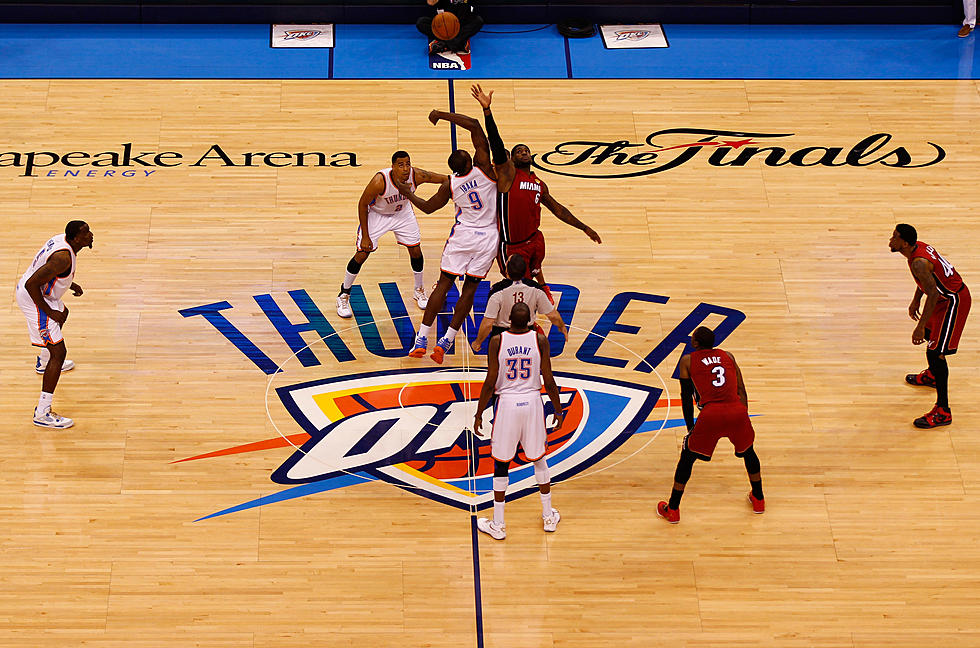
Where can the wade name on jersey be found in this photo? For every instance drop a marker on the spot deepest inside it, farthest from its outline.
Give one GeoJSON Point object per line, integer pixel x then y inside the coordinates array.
{"type": "Point", "coordinates": [707, 361]}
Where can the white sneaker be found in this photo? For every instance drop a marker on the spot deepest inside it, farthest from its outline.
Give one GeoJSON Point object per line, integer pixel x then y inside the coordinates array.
{"type": "Point", "coordinates": [67, 366]}
{"type": "Point", "coordinates": [420, 298]}
{"type": "Point", "coordinates": [52, 420]}
{"type": "Point", "coordinates": [551, 522]}
{"type": "Point", "coordinates": [487, 526]}
{"type": "Point", "coordinates": [343, 306]}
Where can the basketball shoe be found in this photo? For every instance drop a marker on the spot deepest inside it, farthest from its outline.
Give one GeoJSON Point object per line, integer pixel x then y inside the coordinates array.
{"type": "Point", "coordinates": [68, 365]}
{"type": "Point", "coordinates": [420, 298]}
{"type": "Point", "coordinates": [441, 349]}
{"type": "Point", "coordinates": [51, 420]}
{"type": "Point", "coordinates": [922, 379]}
{"type": "Point", "coordinates": [758, 505]}
{"type": "Point", "coordinates": [343, 305]}
{"type": "Point", "coordinates": [671, 515]}
{"type": "Point", "coordinates": [489, 527]}
{"type": "Point", "coordinates": [418, 351]}
{"type": "Point", "coordinates": [551, 522]}
{"type": "Point", "coordinates": [935, 417]}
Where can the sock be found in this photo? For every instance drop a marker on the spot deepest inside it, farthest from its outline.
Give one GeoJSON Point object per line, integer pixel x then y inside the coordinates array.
{"type": "Point", "coordinates": [675, 498]}
{"type": "Point", "coordinates": [940, 371]}
{"type": "Point", "coordinates": [45, 355]}
{"type": "Point", "coordinates": [498, 513]}
{"type": "Point", "coordinates": [418, 280]}
{"type": "Point", "coordinates": [451, 333]}
{"type": "Point", "coordinates": [756, 489]}
{"type": "Point", "coordinates": [44, 403]}
{"type": "Point", "coordinates": [348, 281]}
{"type": "Point", "coordinates": [545, 504]}
{"type": "Point", "coordinates": [424, 330]}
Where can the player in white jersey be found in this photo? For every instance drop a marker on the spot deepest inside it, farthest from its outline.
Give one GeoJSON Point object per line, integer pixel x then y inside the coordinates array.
{"type": "Point", "coordinates": [517, 361]}
{"type": "Point", "coordinates": [381, 209]}
{"type": "Point", "coordinates": [39, 295]}
{"type": "Point", "coordinates": [471, 247]}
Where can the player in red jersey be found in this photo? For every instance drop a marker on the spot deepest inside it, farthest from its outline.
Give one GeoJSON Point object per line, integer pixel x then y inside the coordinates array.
{"type": "Point", "coordinates": [942, 319]}
{"type": "Point", "coordinates": [713, 377]}
{"type": "Point", "coordinates": [519, 203]}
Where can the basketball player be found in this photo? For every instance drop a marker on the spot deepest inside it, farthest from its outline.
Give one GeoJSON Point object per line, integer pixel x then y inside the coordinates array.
{"type": "Point", "coordinates": [472, 245]}
{"type": "Point", "coordinates": [382, 208]}
{"type": "Point", "coordinates": [525, 359]}
{"type": "Point", "coordinates": [39, 294]}
{"type": "Point", "coordinates": [713, 377]}
{"type": "Point", "coordinates": [515, 289]}
{"type": "Point", "coordinates": [941, 321]}
{"type": "Point", "coordinates": [520, 203]}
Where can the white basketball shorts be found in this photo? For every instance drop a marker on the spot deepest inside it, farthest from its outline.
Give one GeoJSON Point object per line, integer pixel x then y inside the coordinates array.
{"type": "Point", "coordinates": [43, 329]}
{"type": "Point", "coordinates": [519, 419]}
{"type": "Point", "coordinates": [404, 225]}
{"type": "Point", "coordinates": [469, 251]}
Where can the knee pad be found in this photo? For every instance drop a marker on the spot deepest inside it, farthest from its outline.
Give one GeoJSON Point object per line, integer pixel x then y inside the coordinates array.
{"type": "Point", "coordinates": [417, 263]}
{"type": "Point", "coordinates": [684, 466]}
{"type": "Point", "coordinates": [500, 484]}
{"type": "Point", "coordinates": [353, 266]}
{"type": "Point", "coordinates": [541, 473]}
{"type": "Point", "coordinates": [751, 459]}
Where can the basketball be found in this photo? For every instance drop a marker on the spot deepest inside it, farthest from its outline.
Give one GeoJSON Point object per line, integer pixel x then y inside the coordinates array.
{"type": "Point", "coordinates": [445, 26]}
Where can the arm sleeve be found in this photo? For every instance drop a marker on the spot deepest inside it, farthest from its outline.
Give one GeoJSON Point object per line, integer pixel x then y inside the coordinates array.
{"type": "Point", "coordinates": [493, 136]}
{"type": "Point", "coordinates": [687, 402]}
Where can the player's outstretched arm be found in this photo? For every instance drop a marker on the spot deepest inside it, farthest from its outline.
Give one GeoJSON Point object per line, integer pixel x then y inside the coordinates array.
{"type": "Point", "coordinates": [493, 366]}
{"type": "Point", "coordinates": [502, 163]}
{"type": "Point", "coordinates": [438, 199]}
{"type": "Point", "coordinates": [57, 264]}
{"type": "Point", "coordinates": [481, 153]}
{"type": "Point", "coordinates": [742, 394]}
{"type": "Point", "coordinates": [549, 380]}
{"type": "Point", "coordinates": [564, 215]}
{"type": "Point", "coordinates": [687, 390]}
{"type": "Point", "coordinates": [428, 177]}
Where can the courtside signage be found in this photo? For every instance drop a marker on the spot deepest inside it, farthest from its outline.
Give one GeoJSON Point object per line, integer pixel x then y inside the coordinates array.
{"type": "Point", "coordinates": [305, 36]}
{"type": "Point", "coordinates": [633, 36]}
{"type": "Point", "coordinates": [410, 427]}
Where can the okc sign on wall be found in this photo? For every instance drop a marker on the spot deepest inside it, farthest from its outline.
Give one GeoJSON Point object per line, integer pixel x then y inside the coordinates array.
{"type": "Point", "coordinates": [408, 427]}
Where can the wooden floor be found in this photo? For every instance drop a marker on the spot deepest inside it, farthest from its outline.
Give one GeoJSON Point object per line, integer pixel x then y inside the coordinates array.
{"type": "Point", "coordinates": [871, 532]}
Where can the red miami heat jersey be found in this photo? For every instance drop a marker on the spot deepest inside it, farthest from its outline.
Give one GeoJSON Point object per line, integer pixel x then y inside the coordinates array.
{"type": "Point", "coordinates": [714, 375]}
{"type": "Point", "coordinates": [520, 208]}
{"type": "Point", "coordinates": [948, 280]}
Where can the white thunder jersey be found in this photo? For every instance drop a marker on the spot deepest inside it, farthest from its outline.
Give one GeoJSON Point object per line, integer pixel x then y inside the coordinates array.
{"type": "Point", "coordinates": [391, 201]}
{"type": "Point", "coordinates": [55, 289]}
{"type": "Point", "coordinates": [475, 196]}
{"type": "Point", "coordinates": [519, 359]}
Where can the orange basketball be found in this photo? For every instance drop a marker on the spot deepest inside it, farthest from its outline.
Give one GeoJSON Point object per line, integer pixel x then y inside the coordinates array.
{"type": "Point", "coordinates": [445, 26]}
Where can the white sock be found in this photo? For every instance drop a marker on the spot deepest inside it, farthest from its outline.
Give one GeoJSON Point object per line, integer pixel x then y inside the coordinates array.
{"type": "Point", "coordinates": [546, 504]}
{"type": "Point", "coordinates": [44, 403]}
{"type": "Point", "coordinates": [451, 333]}
{"type": "Point", "coordinates": [424, 330]}
{"type": "Point", "coordinates": [45, 355]}
{"type": "Point", "coordinates": [498, 513]}
{"type": "Point", "coordinates": [349, 280]}
{"type": "Point", "coordinates": [418, 280]}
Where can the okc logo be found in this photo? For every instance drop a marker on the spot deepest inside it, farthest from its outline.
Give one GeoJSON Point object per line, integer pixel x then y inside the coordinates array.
{"type": "Point", "coordinates": [304, 34]}
{"type": "Point", "coordinates": [410, 429]}
{"type": "Point", "coordinates": [632, 34]}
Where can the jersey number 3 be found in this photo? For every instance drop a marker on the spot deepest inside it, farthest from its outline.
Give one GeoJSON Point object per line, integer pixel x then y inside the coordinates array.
{"type": "Point", "coordinates": [719, 372]}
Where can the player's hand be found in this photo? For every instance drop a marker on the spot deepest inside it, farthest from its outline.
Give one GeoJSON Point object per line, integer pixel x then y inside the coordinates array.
{"type": "Point", "coordinates": [402, 186]}
{"type": "Point", "coordinates": [434, 117]}
{"type": "Point", "coordinates": [76, 290]}
{"type": "Point", "coordinates": [475, 345]}
{"type": "Point", "coordinates": [60, 316]}
{"type": "Point", "coordinates": [477, 424]}
{"type": "Point", "coordinates": [592, 234]}
{"type": "Point", "coordinates": [919, 334]}
{"type": "Point", "coordinates": [559, 420]}
{"type": "Point", "coordinates": [366, 243]}
{"type": "Point", "coordinates": [481, 96]}
{"type": "Point", "coordinates": [914, 310]}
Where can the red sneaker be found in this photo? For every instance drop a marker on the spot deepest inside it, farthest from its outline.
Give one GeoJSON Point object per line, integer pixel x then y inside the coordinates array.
{"type": "Point", "coordinates": [934, 418]}
{"type": "Point", "coordinates": [671, 515]}
{"type": "Point", "coordinates": [922, 379]}
{"type": "Point", "coordinates": [758, 505]}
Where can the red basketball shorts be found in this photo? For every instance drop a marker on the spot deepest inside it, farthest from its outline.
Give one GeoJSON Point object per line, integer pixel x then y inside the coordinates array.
{"type": "Point", "coordinates": [531, 249]}
{"type": "Point", "coordinates": [946, 324]}
{"type": "Point", "coordinates": [717, 421]}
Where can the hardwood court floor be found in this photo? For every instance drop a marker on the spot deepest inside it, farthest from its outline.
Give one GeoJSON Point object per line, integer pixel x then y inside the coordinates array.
{"type": "Point", "coordinates": [871, 530]}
